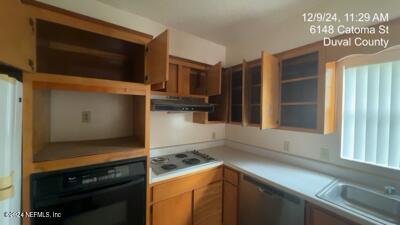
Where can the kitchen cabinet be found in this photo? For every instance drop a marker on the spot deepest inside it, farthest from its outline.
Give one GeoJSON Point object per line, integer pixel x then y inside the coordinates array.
{"type": "Point", "coordinates": [204, 82]}
{"type": "Point", "coordinates": [42, 153]}
{"type": "Point", "coordinates": [71, 51]}
{"type": "Point", "coordinates": [17, 39]}
{"type": "Point", "coordinates": [54, 41]}
{"type": "Point", "coordinates": [231, 190]}
{"type": "Point", "coordinates": [293, 90]}
{"type": "Point", "coordinates": [194, 199]}
{"type": "Point", "coordinates": [190, 79]}
{"type": "Point", "coordinates": [207, 205]}
{"type": "Point", "coordinates": [253, 89]}
{"type": "Point", "coordinates": [176, 210]}
{"type": "Point", "coordinates": [318, 216]}
{"type": "Point", "coordinates": [307, 90]}
{"type": "Point", "coordinates": [236, 94]}
{"type": "Point", "coordinates": [261, 92]}
{"type": "Point", "coordinates": [220, 113]}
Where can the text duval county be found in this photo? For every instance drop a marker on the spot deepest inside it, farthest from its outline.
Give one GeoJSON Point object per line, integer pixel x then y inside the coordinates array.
{"type": "Point", "coordinates": [358, 42]}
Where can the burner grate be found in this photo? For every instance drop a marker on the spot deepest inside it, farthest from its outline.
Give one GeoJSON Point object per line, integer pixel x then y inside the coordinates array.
{"type": "Point", "coordinates": [180, 155]}
{"type": "Point", "coordinates": [159, 160]}
{"type": "Point", "coordinates": [169, 166]}
{"type": "Point", "coordinates": [191, 161]}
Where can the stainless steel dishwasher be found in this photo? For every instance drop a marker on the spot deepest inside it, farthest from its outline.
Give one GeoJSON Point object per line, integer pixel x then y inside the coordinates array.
{"type": "Point", "coordinates": [261, 204]}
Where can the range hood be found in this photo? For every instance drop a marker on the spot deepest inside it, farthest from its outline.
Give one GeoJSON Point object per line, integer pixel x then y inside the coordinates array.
{"type": "Point", "coordinates": [181, 105]}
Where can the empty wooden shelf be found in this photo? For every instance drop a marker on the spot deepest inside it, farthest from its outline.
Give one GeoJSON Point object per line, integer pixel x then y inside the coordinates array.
{"type": "Point", "coordinates": [307, 90]}
{"type": "Point", "coordinates": [71, 117]}
{"type": "Point", "coordinates": [188, 78]}
{"type": "Point", "coordinates": [73, 149]}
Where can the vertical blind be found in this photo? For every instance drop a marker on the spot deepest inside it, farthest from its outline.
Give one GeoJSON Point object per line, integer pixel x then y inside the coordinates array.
{"type": "Point", "coordinates": [371, 114]}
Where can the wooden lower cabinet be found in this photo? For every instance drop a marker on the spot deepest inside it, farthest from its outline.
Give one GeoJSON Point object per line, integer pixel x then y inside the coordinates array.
{"type": "Point", "coordinates": [176, 210]}
{"type": "Point", "coordinates": [318, 216]}
{"type": "Point", "coordinates": [230, 204]}
{"type": "Point", "coordinates": [207, 206]}
{"type": "Point", "coordinates": [231, 190]}
{"type": "Point", "coordinates": [189, 200]}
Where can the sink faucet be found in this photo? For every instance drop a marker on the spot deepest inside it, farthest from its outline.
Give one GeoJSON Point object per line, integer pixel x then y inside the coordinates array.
{"type": "Point", "coordinates": [389, 190]}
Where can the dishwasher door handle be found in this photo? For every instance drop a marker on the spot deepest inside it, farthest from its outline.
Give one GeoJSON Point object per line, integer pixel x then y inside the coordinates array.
{"type": "Point", "coordinates": [266, 191]}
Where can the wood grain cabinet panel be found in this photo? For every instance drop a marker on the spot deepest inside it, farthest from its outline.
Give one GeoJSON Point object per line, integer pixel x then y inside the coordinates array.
{"type": "Point", "coordinates": [157, 59]}
{"type": "Point", "coordinates": [17, 39]}
{"type": "Point", "coordinates": [230, 204]}
{"type": "Point", "coordinates": [214, 80]}
{"type": "Point", "coordinates": [318, 216]}
{"type": "Point", "coordinates": [269, 91]}
{"type": "Point", "coordinates": [185, 184]}
{"type": "Point", "coordinates": [176, 211]}
{"type": "Point", "coordinates": [307, 90]}
{"type": "Point", "coordinates": [207, 205]}
{"type": "Point", "coordinates": [231, 176]}
{"type": "Point", "coordinates": [189, 200]}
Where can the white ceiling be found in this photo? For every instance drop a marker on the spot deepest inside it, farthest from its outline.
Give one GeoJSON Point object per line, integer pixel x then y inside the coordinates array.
{"type": "Point", "coordinates": [217, 20]}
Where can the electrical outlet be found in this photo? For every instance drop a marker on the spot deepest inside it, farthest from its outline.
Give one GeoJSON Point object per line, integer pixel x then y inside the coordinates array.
{"type": "Point", "coordinates": [86, 117]}
{"type": "Point", "coordinates": [214, 135]}
{"type": "Point", "coordinates": [324, 154]}
{"type": "Point", "coordinates": [286, 146]}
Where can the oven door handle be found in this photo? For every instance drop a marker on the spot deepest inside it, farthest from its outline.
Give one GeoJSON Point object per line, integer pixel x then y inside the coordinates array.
{"type": "Point", "coordinates": [61, 199]}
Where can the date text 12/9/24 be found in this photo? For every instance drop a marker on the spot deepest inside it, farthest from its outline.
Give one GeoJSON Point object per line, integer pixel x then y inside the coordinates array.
{"type": "Point", "coordinates": [328, 17]}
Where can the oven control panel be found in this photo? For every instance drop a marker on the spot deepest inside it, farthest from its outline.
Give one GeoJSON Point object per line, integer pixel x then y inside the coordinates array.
{"type": "Point", "coordinates": [96, 176]}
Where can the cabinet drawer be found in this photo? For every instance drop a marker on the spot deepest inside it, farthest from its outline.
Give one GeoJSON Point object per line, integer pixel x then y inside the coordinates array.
{"type": "Point", "coordinates": [231, 176]}
{"type": "Point", "coordinates": [188, 183]}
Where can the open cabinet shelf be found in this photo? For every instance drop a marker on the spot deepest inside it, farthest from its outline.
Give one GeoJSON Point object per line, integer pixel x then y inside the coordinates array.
{"type": "Point", "coordinates": [73, 149]}
{"type": "Point", "coordinates": [253, 93]}
{"type": "Point", "coordinates": [70, 118]}
{"type": "Point", "coordinates": [220, 113]}
{"type": "Point", "coordinates": [70, 51]}
{"type": "Point", "coordinates": [236, 94]}
{"type": "Point", "coordinates": [299, 91]}
{"type": "Point", "coordinates": [307, 90]}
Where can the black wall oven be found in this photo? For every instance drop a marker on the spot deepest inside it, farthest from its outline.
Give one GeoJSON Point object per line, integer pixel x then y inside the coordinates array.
{"type": "Point", "coordinates": [107, 194]}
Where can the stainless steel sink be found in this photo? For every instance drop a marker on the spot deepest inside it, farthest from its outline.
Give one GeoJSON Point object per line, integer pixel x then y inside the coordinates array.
{"type": "Point", "coordinates": [364, 201]}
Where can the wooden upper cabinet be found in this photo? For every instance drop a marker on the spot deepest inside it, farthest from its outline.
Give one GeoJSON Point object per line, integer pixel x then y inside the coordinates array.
{"type": "Point", "coordinates": [269, 91]}
{"type": "Point", "coordinates": [261, 94]}
{"type": "Point", "coordinates": [236, 94]}
{"type": "Point", "coordinates": [157, 54]}
{"type": "Point", "coordinates": [17, 39]}
{"type": "Point", "coordinates": [188, 78]}
{"type": "Point", "coordinates": [214, 80]}
{"type": "Point", "coordinates": [307, 90]}
{"type": "Point", "coordinates": [329, 123]}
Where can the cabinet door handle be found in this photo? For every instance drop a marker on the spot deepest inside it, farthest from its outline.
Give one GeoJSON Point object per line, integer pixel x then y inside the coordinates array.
{"type": "Point", "coordinates": [7, 181]}
{"type": "Point", "coordinates": [6, 193]}
{"type": "Point", "coordinates": [32, 24]}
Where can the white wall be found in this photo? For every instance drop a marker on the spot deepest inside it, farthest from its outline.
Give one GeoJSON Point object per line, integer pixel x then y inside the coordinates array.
{"type": "Point", "coordinates": [169, 129]}
{"type": "Point", "coordinates": [111, 116]}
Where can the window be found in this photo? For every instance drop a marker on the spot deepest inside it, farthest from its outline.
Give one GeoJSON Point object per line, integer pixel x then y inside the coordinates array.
{"type": "Point", "coordinates": [371, 113]}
